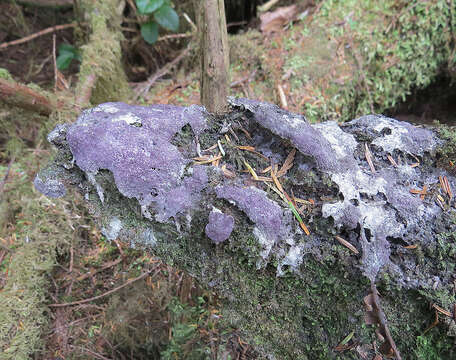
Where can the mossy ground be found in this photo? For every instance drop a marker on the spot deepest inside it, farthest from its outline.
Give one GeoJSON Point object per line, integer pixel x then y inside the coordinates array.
{"type": "Point", "coordinates": [347, 60]}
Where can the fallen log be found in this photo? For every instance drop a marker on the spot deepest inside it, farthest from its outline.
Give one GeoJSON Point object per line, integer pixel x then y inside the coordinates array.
{"type": "Point", "coordinates": [229, 199]}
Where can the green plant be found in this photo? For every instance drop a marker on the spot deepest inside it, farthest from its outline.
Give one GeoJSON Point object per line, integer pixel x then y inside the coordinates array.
{"type": "Point", "coordinates": [185, 320]}
{"type": "Point", "coordinates": [67, 53]}
{"type": "Point", "coordinates": [160, 13]}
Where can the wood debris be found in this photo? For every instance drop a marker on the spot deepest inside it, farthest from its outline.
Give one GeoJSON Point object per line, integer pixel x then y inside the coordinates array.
{"type": "Point", "coordinates": [222, 151]}
{"type": "Point", "coordinates": [368, 155]}
{"type": "Point", "coordinates": [252, 150]}
{"type": "Point", "coordinates": [411, 247]}
{"type": "Point", "coordinates": [288, 164]}
{"type": "Point", "coordinates": [391, 160]}
{"type": "Point", "coordinates": [228, 173]}
{"type": "Point", "coordinates": [210, 148]}
{"type": "Point", "coordinates": [206, 161]}
{"type": "Point", "coordinates": [442, 310]}
{"type": "Point", "coordinates": [445, 185]}
{"type": "Point", "coordinates": [264, 178]}
{"type": "Point", "coordinates": [276, 182]}
{"type": "Point", "coordinates": [292, 206]}
{"type": "Point", "coordinates": [422, 192]}
{"type": "Point", "coordinates": [347, 244]}
{"type": "Point", "coordinates": [264, 171]}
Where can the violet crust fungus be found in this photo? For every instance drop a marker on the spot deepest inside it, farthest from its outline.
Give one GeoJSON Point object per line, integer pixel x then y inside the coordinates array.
{"type": "Point", "coordinates": [155, 176]}
{"type": "Point", "coordinates": [219, 227]}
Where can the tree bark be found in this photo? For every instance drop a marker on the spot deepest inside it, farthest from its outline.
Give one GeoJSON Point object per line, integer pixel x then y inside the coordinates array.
{"type": "Point", "coordinates": [25, 97]}
{"type": "Point", "coordinates": [213, 42]}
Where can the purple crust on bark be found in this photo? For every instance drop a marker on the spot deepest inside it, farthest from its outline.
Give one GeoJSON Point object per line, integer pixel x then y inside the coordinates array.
{"type": "Point", "coordinates": [219, 227]}
{"type": "Point", "coordinates": [50, 187]}
{"type": "Point", "coordinates": [295, 128]}
{"type": "Point", "coordinates": [133, 142]}
{"type": "Point", "coordinates": [183, 197]}
{"type": "Point", "coordinates": [265, 213]}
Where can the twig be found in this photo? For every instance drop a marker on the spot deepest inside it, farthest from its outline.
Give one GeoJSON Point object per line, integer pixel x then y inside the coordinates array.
{"type": "Point", "coordinates": [108, 292]}
{"type": "Point", "coordinates": [175, 36]}
{"type": "Point", "coordinates": [39, 33]}
{"type": "Point", "coordinates": [144, 87]}
{"type": "Point", "coordinates": [267, 6]}
{"type": "Point", "coordinates": [192, 24]}
{"type": "Point", "coordinates": [244, 79]}
{"type": "Point", "coordinates": [383, 322]}
{"type": "Point", "coordinates": [104, 267]}
{"type": "Point", "coordinates": [54, 58]}
{"type": "Point", "coordinates": [93, 353]}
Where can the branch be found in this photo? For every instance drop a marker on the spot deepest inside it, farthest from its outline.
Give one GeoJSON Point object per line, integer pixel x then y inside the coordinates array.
{"type": "Point", "coordinates": [38, 34]}
{"type": "Point", "coordinates": [24, 97]}
{"type": "Point", "coordinates": [59, 4]}
{"type": "Point", "coordinates": [144, 87]}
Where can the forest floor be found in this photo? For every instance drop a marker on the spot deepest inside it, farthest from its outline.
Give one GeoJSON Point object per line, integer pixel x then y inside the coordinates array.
{"type": "Point", "coordinates": [168, 315]}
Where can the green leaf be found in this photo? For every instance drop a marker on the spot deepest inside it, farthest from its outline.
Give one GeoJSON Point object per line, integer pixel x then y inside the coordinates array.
{"type": "Point", "coordinates": [64, 60]}
{"type": "Point", "coordinates": [167, 17]}
{"type": "Point", "coordinates": [149, 32]}
{"type": "Point", "coordinates": [148, 6]}
{"type": "Point", "coordinates": [67, 53]}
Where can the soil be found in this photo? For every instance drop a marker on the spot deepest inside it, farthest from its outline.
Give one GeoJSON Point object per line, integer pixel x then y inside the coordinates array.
{"type": "Point", "coordinates": [435, 102]}
{"type": "Point", "coordinates": [32, 61]}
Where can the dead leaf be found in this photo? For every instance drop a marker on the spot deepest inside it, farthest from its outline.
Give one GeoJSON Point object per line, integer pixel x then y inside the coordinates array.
{"type": "Point", "coordinates": [288, 164]}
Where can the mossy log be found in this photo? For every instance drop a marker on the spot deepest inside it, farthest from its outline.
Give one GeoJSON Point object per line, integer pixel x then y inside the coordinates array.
{"type": "Point", "coordinates": [290, 223]}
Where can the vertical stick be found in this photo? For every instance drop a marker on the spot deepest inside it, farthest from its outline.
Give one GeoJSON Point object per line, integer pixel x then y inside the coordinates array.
{"type": "Point", "coordinates": [213, 42]}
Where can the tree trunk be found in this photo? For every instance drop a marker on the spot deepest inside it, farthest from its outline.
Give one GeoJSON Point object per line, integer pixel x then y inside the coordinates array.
{"type": "Point", "coordinates": [213, 42]}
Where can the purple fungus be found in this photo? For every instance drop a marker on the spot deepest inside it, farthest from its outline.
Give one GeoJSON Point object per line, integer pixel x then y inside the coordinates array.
{"type": "Point", "coordinates": [295, 128]}
{"type": "Point", "coordinates": [219, 227]}
{"type": "Point", "coordinates": [183, 197]}
{"type": "Point", "coordinates": [50, 187]}
{"type": "Point", "coordinates": [134, 143]}
{"type": "Point", "coordinates": [265, 213]}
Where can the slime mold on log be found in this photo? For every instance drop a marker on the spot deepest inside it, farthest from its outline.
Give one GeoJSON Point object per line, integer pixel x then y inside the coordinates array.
{"type": "Point", "coordinates": [160, 193]}
{"type": "Point", "coordinates": [219, 227]}
{"type": "Point", "coordinates": [136, 145]}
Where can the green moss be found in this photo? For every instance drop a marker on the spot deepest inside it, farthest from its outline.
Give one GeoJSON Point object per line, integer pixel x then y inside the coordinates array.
{"type": "Point", "coordinates": [41, 231]}
{"type": "Point", "coordinates": [4, 74]}
{"type": "Point", "coordinates": [102, 55]}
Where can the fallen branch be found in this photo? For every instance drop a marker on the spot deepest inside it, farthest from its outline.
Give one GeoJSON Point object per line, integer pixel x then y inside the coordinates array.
{"type": "Point", "coordinates": [58, 4]}
{"type": "Point", "coordinates": [38, 34]}
{"type": "Point", "coordinates": [24, 97]}
{"type": "Point", "coordinates": [143, 275]}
